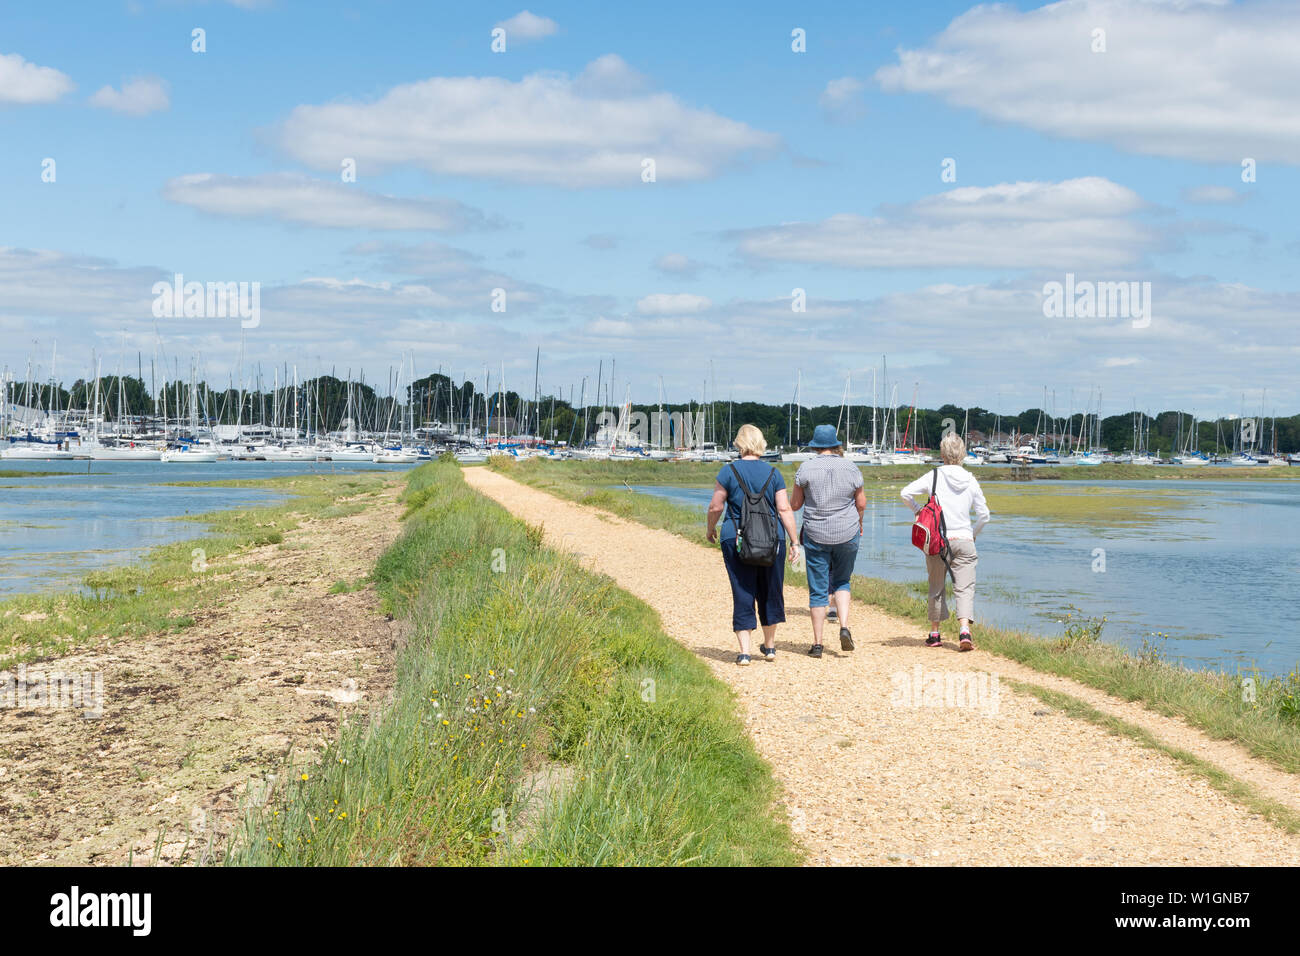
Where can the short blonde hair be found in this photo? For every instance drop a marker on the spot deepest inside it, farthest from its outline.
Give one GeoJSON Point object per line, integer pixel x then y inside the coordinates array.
{"type": "Point", "coordinates": [952, 449]}
{"type": "Point", "coordinates": [750, 441]}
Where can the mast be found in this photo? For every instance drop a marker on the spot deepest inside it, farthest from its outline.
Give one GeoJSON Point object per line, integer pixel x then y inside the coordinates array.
{"type": "Point", "coordinates": [660, 444]}
{"type": "Point", "coordinates": [875, 448]}
{"type": "Point", "coordinates": [848, 409]}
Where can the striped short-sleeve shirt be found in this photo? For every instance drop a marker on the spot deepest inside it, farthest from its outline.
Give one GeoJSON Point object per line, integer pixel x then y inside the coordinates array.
{"type": "Point", "coordinates": [830, 484]}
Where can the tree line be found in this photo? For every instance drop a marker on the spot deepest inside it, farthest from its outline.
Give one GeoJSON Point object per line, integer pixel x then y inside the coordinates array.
{"type": "Point", "coordinates": [560, 418]}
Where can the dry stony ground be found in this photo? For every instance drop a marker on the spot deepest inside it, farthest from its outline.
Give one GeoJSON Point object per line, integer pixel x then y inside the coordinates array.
{"type": "Point", "coordinates": [869, 779]}
{"type": "Point", "coordinates": [193, 720]}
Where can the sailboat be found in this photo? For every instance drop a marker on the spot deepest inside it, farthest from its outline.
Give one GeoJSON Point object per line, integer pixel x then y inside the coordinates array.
{"type": "Point", "coordinates": [121, 448]}
{"type": "Point", "coordinates": [797, 455]}
{"type": "Point", "coordinates": [1271, 457]}
{"type": "Point", "coordinates": [192, 452]}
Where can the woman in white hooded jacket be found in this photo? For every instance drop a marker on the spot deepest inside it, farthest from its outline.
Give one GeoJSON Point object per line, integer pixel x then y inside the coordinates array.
{"type": "Point", "coordinates": [960, 497]}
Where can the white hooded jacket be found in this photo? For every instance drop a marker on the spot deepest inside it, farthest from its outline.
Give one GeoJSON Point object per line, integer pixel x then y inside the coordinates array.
{"type": "Point", "coordinates": [959, 496]}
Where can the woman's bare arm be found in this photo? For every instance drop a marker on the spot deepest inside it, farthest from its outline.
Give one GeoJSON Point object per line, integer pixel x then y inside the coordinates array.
{"type": "Point", "coordinates": [786, 514]}
{"type": "Point", "coordinates": [717, 505]}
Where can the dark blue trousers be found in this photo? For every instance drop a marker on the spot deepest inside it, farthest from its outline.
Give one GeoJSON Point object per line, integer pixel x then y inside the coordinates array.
{"type": "Point", "coordinates": [752, 586]}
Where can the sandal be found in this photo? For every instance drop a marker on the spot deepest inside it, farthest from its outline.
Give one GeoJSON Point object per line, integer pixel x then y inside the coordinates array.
{"type": "Point", "coordinates": [815, 651]}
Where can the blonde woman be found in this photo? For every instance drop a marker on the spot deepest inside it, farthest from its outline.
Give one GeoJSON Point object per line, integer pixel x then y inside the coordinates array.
{"type": "Point", "coordinates": [752, 585]}
{"type": "Point", "coordinates": [960, 497]}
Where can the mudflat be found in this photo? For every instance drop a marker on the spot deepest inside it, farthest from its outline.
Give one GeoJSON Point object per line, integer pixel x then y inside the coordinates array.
{"type": "Point", "coordinates": [197, 721]}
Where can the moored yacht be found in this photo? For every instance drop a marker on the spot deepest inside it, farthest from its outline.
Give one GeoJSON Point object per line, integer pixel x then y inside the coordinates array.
{"type": "Point", "coordinates": [125, 451]}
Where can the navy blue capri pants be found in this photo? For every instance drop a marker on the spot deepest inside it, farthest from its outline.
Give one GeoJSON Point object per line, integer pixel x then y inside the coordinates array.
{"type": "Point", "coordinates": [752, 585]}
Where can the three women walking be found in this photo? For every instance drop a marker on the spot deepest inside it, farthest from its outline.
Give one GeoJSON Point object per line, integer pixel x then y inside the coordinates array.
{"type": "Point", "coordinates": [829, 490]}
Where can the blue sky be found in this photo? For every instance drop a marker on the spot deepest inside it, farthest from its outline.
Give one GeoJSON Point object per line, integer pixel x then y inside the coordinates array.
{"type": "Point", "coordinates": [777, 170]}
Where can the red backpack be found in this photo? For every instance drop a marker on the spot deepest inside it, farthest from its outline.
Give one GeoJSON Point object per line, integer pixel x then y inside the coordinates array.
{"type": "Point", "coordinates": [929, 532]}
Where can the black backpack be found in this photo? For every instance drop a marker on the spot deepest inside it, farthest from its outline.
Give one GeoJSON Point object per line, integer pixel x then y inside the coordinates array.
{"type": "Point", "coordinates": [758, 536]}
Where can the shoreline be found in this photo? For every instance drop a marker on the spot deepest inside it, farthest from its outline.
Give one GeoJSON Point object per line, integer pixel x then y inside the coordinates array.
{"type": "Point", "coordinates": [215, 674]}
{"type": "Point", "coordinates": [401, 598]}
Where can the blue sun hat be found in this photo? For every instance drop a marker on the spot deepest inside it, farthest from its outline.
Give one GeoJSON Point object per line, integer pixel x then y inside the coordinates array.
{"type": "Point", "coordinates": [824, 437]}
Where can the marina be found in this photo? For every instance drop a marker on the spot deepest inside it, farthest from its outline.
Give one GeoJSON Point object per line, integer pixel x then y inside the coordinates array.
{"type": "Point", "coordinates": [340, 420]}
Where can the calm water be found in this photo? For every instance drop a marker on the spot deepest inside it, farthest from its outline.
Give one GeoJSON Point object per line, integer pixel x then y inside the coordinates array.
{"type": "Point", "coordinates": [1219, 576]}
{"type": "Point", "coordinates": [56, 527]}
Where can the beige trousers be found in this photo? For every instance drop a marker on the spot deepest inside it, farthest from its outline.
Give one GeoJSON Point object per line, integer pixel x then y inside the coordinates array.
{"type": "Point", "coordinates": [963, 559]}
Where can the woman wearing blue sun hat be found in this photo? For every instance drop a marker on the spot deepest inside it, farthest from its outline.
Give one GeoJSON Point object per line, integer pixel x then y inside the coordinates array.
{"type": "Point", "coordinates": [828, 488]}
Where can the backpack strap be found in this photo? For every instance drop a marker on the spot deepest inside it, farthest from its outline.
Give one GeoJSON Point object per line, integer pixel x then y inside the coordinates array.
{"type": "Point", "coordinates": [743, 487]}
{"type": "Point", "coordinates": [943, 528]}
{"type": "Point", "coordinates": [762, 492]}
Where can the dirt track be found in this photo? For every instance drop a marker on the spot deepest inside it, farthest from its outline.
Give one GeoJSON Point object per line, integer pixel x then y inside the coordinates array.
{"type": "Point", "coordinates": [870, 779]}
{"type": "Point", "coordinates": [191, 718]}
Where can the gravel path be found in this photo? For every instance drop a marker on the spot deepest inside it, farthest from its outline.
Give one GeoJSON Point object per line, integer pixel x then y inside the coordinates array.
{"type": "Point", "coordinates": [874, 773]}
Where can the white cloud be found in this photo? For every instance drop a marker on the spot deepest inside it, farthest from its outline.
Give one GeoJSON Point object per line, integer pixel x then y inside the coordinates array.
{"type": "Point", "coordinates": [333, 317]}
{"type": "Point", "coordinates": [1078, 223]}
{"type": "Point", "coordinates": [602, 327]}
{"type": "Point", "coordinates": [959, 343]}
{"type": "Point", "coordinates": [676, 264]}
{"type": "Point", "coordinates": [1213, 194]}
{"type": "Point", "coordinates": [663, 303]}
{"type": "Point", "coordinates": [23, 82]}
{"type": "Point", "coordinates": [524, 26]}
{"type": "Point", "coordinates": [841, 100]}
{"type": "Point", "coordinates": [461, 276]}
{"type": "Point", "coordinates": [1086, 197]}
{"type": "Point", "coordinates": [610, 75]}
{"type": "Point", "coordinates": [544, 128]}
{"type": "Point", "coordinates": [290, 197]}
{"type": "Point", "coordinates": [1207, 81]}
{"type": "Point", "coordinates": [138, 97]}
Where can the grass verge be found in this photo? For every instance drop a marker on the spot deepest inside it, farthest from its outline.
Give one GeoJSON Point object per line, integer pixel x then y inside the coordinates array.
{"type": "Point", "coordinates": [540, 716]}
{"type": "Point", "coordinates": [1263, 716]}
{"type": "Point", "coordinates": [697, 473]}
